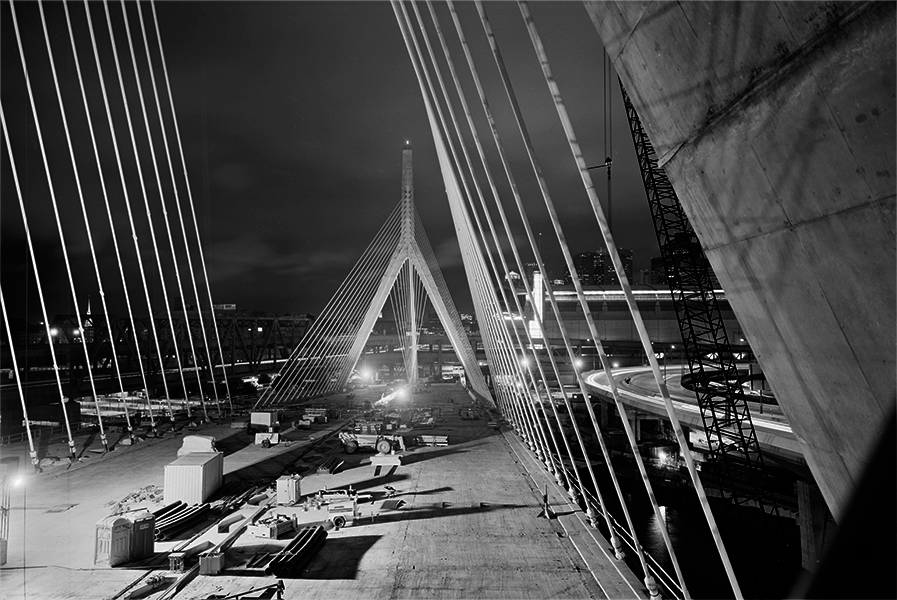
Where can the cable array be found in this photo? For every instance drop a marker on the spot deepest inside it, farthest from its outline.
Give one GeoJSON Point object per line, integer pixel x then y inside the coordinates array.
{"type": "Point", "coordinates": [157, 350]}
{"type": "Point", "coordinates": [399, 265]}
{"type": "Point", "coordinates": [524, 363]}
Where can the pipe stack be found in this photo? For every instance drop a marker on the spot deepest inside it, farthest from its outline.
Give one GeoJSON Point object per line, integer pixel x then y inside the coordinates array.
{"type": "Point", "coordinates": [178, 519]}
{"type": "Point", "coordinates": [291, 560]}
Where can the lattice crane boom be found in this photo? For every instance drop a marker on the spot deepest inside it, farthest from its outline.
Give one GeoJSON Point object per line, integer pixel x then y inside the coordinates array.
{"type": "Point", "coordinates": [713, 373]}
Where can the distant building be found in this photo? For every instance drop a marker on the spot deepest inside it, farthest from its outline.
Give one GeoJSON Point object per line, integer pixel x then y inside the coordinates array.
{"type": "Point", "coordinates": [596, 268]}
{"type": "Point", "coordinates": [657, 275]}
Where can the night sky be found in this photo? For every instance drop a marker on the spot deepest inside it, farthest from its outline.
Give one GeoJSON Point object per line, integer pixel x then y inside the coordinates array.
{"type": "Point", "coordinates": [293, 116]}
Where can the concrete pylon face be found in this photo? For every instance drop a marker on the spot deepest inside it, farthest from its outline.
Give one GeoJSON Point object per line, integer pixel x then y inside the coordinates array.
{"type": "Point", "coordinates": [775, 122]}
{"type": "Point", "coordinates": [408, 250]}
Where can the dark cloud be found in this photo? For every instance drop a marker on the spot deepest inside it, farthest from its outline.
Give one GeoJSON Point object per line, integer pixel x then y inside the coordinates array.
{"type": "Point", "coordinates": [293, 116]}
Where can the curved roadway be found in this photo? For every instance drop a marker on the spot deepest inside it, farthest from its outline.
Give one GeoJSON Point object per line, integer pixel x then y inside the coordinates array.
{"type": "Point", "coordinates": [638, 389]}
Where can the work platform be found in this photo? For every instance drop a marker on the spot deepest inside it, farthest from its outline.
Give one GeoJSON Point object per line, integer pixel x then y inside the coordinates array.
{"type": "Point", "coordinates": [467, 525]}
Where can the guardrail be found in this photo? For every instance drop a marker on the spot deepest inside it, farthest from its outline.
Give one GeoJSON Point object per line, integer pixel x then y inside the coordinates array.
{"type": "Point", "coordinates": [42, 432]}
{"type": "Point", "coordinates": [661, 577]}
{"type": "Point", "coordinates": [39, 433]}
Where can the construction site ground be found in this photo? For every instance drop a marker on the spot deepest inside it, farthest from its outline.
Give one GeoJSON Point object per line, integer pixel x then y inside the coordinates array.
{"type": "Point", "coordinates": [466, 526]}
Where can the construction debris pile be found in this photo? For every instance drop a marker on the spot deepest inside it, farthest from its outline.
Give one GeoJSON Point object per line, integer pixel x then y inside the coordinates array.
{"type": "Point", "coordinates": [150, 494]}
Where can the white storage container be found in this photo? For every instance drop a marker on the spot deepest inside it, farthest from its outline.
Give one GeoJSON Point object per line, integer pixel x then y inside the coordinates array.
{"type": "Point", "coordinates": [288, 489]}
{"type": "Point", "coordinates": [193, 478]}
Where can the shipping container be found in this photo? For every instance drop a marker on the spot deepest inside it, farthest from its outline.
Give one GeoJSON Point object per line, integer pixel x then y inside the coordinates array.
{"type": "Point", "coordinates": [193, 478]}
{"type": "Point", "coordinates": [113, 541]}
{"type": "Point", "coordinates": [288, 489]}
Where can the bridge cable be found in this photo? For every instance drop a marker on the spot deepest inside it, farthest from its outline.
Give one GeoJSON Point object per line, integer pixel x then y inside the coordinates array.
{"type": "Point", "coordinates": [572, 487]}
{"type": "Point", "coordinates": [316, 340]}
{"type": "Point", "coordinates": [530, 382]}
{"type": "Point", "coordinates": [111, 225]}
{"type": "Point", "coordinates": [558, 472]}
{"type": "Point", "coordinates": [503, 360]}
{"type": "Point", "coordinates": [353, 308]}
{"type": "Point", "coordinates": [154, 162]}
{"type": "Point", "coordinates": [537, 44]}
{"type": "Point", "coordinates": [516, 363]}
{"type": "Point", "coordinates": [202, 260]}
{"type": "Point", "coordinates": [40, 291]}
{"type": "Point", "coordinates": [478, 265]}
{"type": "Point", "coordinates": [353, 304]}
{"type": "Point", "coordinates": [165, 145]}
{"type": "Point", "coordinates": [655, 368]}
{"type": "Point", "coordinates": [35, 461]}
{"type": "Point", "coordinates": [125, 194]}
{"type": "Point", "coordinates": [567, 126]}
{"type": "Point", "coordinates": [484, 304]}
{"type": "Point", "coordinates": [87, 227]}
{"type": "Point", "coordinates": [52, 190]}
{"type": "Point", "coordinates": [551, 298]}
{"type": "Point", "coordinates": [174, 186]}
{"type": "Point", "coordinates": [377, 254]}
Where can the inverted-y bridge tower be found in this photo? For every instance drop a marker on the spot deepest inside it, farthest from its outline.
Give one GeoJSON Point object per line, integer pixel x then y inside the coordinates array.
{"type": "Point", "coordinates": [399, 264]}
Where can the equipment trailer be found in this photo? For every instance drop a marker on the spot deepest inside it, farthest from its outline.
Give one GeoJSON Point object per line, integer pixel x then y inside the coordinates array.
{"type": "Point", "coordinates": [384, 444]}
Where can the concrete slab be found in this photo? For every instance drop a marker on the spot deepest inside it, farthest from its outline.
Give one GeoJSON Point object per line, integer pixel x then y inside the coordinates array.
{"type": "Point", "coordinates": [468, 527]}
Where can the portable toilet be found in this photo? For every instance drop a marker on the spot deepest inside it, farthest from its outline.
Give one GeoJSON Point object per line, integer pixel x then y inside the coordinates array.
{"type": "Point", "coordinates": [113, 542]}
{"type": "Point", "coordinates": [288, 489]}
{"type": "Point", "coordinates": [142, 540]}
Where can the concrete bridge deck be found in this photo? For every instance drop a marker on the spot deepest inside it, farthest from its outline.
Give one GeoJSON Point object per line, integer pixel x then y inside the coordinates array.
{"type": "Point", "coordinates": [468, 528]}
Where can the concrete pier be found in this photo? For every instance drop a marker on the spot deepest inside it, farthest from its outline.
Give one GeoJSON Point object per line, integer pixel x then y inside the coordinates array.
{"type": "Point", "coordinates": [775, 123]}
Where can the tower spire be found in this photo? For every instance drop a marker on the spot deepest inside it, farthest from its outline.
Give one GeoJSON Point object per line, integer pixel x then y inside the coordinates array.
{"type": "Point", "coordinates": [408, 233]}
{"type": "Point", "coordinates": [407, 192]}
{"type": "Point", "coordinates": [407, 175]}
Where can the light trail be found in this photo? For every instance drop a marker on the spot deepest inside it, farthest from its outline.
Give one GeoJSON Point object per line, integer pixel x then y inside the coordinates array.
{"type": "Point", "coordinates": [597, 380]}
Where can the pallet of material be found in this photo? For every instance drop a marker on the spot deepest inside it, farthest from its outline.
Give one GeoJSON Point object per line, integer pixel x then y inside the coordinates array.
{"type": "Point", "coordinates": [271, 528]}
{"type": "Point", "coordinates": [329, 466]}
{"type": "Point", "coordinates": [433, 440]}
